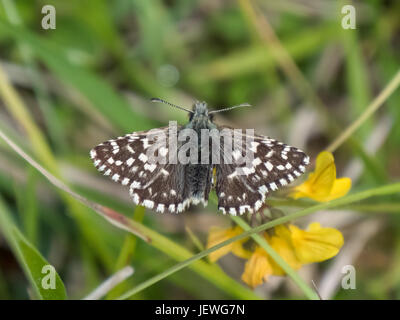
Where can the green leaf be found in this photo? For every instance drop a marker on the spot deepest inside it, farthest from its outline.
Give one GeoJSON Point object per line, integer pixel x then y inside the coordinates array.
{"type": "Point", "coordinates": [36, 268]}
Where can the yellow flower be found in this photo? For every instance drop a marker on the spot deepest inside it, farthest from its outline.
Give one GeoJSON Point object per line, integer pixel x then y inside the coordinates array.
{"type": "Point", "coordinates": [218, 235]}
{"type": "Point", "coordinates": [285, 250]}
{"type": "Point", "coordinates": [322, 185]}
{"type": "Point", "coordinates": [315, 244]}
{"type": "Point", "coordinates": [296, 247]}
{"type": "Point", "coordinates": [260, 266]}
{"type": "Point", "coordinates": [257, 269]}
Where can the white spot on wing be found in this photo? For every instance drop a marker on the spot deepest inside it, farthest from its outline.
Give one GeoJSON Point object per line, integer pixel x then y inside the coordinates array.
{"type": "Point", "coordinates": [270, 153]}
{"type": "Point", "coordinates": [269, 166]}
{"type": "Point", "coordinates": [145, 143]}
{"type": "Point", "coordinates": [263, 189]}
{"type": "Point", "coordinates": [273, 186]}
{"type": "Point", "coordinates": [148, 203]}
{"type": "Point", "coordinates": [257, 205]}
{"type": "Point", "coordinates": [135, 185]}
{"type": "Point", "coordinates": [248, 171]}
{"type": "Point", "coordinates": [283, 182]}
{"type": "Point", "coordinates": [163, 151]}
{"type": "Point", "coordinates": [150, 167]}
{"type": "Point", "coordinates": [256, 162]}
{"type": "Point", "coordinates": [143, 157]}
{"type": "Point", "coordinates": [242, 209]}
{"type": "Point", "coordinates": [254, 146]}
{"type": "Point", "coordinates": [135, 198]}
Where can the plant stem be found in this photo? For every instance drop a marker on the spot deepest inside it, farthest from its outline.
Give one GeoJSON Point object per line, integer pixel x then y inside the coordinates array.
{"type": "Point", "coordinates": [374, 106]}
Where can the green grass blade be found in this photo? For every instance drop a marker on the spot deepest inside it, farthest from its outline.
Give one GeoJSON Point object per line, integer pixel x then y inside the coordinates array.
{"type": "Point", "coordinates": [30, 259]}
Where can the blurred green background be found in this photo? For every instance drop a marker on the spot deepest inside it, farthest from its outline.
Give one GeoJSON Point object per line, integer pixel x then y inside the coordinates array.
{"type": "Point", "coordinates": [90, 80]}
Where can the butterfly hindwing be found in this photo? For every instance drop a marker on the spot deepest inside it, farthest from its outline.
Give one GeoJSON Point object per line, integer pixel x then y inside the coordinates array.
{"type": "Point", "coordinates": [274, 165]}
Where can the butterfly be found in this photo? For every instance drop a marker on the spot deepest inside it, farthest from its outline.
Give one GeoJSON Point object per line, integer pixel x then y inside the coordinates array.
{"type": "Point", "coordinates": [173, 185]}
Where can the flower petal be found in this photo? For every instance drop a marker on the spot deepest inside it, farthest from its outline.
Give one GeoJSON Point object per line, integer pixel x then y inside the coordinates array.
{"type": "Point", "coordinates": [316, 244]}
{"type": "Point", "coordinates": [257, 268]}
{"type": "Point", "coordinates": [283, 232]}
{"type": "Point", "coordinates": [218, 235]}
{"type": "Point", "coordinates": [322, 185]}
{"type": "Point", "coordinates": [325, 171]}
{"type": "Point", "coordinates": [239, 251]}
{"type": "Point", "coordinates": [340, 188]}
{"type": "Point", "coordinates": [285, 250]}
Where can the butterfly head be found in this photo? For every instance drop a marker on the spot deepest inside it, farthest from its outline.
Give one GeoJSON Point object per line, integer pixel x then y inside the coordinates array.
{"type": "Point", "coordinates": [200, 113]}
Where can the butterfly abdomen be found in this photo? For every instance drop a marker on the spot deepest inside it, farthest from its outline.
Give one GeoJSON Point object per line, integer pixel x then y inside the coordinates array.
{"type": "Point", "coordinates": [198, 180]}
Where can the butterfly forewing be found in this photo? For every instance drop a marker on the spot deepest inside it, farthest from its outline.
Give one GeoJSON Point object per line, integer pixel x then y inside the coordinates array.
{"type": "Point", "coordinates": [154, 185]}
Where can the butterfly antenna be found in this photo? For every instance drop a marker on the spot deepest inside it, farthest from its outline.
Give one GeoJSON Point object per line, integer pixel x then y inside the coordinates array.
{"type": "Point", "coordinates": [230, 108]}
{"type": "Point", "coordinates": [170, 104]}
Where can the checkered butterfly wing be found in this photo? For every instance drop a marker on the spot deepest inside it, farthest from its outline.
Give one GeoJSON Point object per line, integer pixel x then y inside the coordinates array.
{"type": "Point", "coordinates": [274, 165]}
{"type": "Point", "coordinates": [155, 185]}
